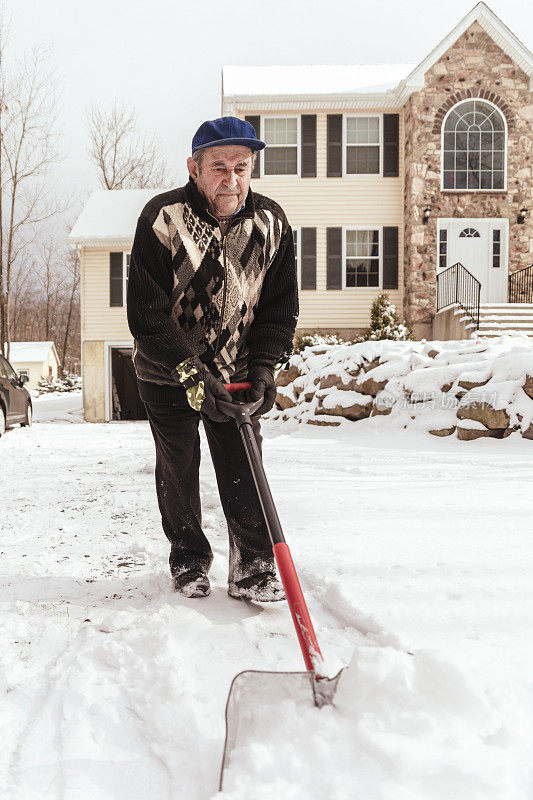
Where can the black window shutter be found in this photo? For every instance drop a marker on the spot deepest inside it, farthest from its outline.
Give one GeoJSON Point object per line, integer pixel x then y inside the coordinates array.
{"type": "Point", "coordinates": [308, 258]}
{"type": "Point", "coordinates": [391, 145]}
{"type": "Point", "coordinates": [115, 279]}
{"type": "Point", "coordinates": [334, 258]}
{"type": "Point", "coordinates": [334, 146]}
{"type": "Point", "coordinates": [255, 122]}
{"type": "Point", "coordinates": [308, 146]}
{"type": "Point", "coordinates": [390, 258]}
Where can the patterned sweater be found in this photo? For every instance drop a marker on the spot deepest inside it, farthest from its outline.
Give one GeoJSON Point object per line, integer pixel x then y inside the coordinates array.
{"type": "Point", "coordinates": [227, 299]}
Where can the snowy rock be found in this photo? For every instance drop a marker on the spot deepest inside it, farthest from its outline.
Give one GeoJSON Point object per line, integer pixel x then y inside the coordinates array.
{"type": "Point", "coordinates": [351, 405]}
{"type": "Point", "coordinates": [528, 386]}
{"type": "Point", "coordinates": [442, 431]}
{"type": "Point", "coordinates": [285, 400]}
{"type": "Point", "coordinates": [286, 376]}
{"type": "Point", "coordinates": [527, 433]}
{"type": "Point", "coordinates": [323, 421]}
{"type": "Point", "coordinates": [484, 413]}
{"type": "Point", "coordinates": [471, 429]}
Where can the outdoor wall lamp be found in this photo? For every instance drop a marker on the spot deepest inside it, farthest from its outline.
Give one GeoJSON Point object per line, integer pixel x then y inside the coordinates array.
{"type": "Point", "coordinates": [427, 212]}
{"type": "Point", "coordinates": [521, 218]}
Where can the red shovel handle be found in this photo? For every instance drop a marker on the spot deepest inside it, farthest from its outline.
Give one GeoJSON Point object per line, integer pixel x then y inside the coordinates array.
{"type": "Point", "coordinates": [300, 615]}
{"type": "Point", "coordinates": [234, 387]}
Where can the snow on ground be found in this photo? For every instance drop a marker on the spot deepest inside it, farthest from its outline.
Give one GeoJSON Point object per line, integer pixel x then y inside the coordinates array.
{"type": "Point", "coordinates": [414, 554]}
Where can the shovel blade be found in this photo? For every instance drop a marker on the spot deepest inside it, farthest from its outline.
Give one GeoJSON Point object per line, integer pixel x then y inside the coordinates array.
{"type": "Point", "coordinates": [252, 689]}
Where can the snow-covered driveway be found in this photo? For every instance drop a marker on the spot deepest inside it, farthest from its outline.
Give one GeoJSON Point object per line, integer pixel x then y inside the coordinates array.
{"type": "Point", "coordinates": [113, 687]}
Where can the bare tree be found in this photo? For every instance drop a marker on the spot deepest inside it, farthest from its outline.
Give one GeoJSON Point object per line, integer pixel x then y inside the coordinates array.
{"type": "Point", "coordinates": [73, 268]}
{"type": "Point", "coordinates": [28, 149]}
{"type": "Point", "coordinates": [125, 159]}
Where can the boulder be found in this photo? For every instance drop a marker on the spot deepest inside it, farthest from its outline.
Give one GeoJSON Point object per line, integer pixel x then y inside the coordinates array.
{"type": "Point", "coordinates": [383, 404]}
{"type": "Point", "coordinates": [370, 386]}
{"type": "Point", "coordinates": [470, 384]}
{"type": "Point", "coordinates": [469, 434]}
{"type": "Point", "coordinates": [433, 353]}
{"type": "Point", "coordinates": [443, 431]}
{"type": "Point", "coordinates": [308, 396]}
{"type": "Point", "coordinates": [368, 365]}
{"type": "Point", "coordinates": [284, 401]}
{"type": "Point", "coordinates": [330, 381]}
{"type": "Point", "coordinates": [493, 418]}
{"type": "Point", "coordinates": [446, 387]}
{"type": "Point", "coordinates": [527, 433]}
{"type": "Point", "coordinates": [330, 422]}
{"type": "Point", "coordinates": [352, 411]}
{"type": "Point", "coordinates": [286, 376]}
{"type": "Point", "coordinates": [528, 386]}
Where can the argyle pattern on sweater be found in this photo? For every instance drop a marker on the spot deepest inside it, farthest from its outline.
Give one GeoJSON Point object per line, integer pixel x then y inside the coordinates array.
{"type": "Point", "coordinates": [216, 285]}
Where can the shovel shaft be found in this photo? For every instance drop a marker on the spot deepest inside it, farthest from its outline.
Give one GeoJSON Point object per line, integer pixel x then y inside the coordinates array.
{"type": "Point", "coordinates": [291, 584]}
{"type": "Point", "coordinates": [300, 614]}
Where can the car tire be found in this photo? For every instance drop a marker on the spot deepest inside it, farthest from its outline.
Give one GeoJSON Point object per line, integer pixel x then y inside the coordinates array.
{"type": "Point", "coordinates": [2, 421]}
{"type": "Point", "coordinates": [29, 417]}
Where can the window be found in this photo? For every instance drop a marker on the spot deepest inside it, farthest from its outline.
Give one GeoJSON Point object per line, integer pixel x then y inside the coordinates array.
{"type": "Point", "coordinates": [496, 244]}
{"type": "Point", "coordinates": [8, 369]}
{"type": "Point", "coordinates": [362, 257]}
{"type": "Point", "coordinates": [363, 137]}
{"type": "Point", "coordinates": [469, 233]}
{"type": "Point", "coordinates": [126, 273]}
{"type": "Point", "coordinates": [281, 155]}
{"type": "Point", "coordinates": [119, 270]}
{"type": "Point", "coordinates": [295, 233]}
{"type": "Point", "coordinates": [443, 248]}
{"type": "Point", "coordinates": [473, 147]}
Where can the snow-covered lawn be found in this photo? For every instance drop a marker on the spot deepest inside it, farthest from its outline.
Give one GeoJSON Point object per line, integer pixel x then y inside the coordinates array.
{"type": "Point", "coordinates": [416, 558]}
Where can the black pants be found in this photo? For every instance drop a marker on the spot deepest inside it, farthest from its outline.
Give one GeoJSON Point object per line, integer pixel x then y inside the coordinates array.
{"type": "Point", "coordinates": [177, 445]}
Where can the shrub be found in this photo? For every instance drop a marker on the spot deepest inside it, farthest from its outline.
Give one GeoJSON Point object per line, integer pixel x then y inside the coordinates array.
{"type": "Point", "coordinates": [67, 382]}
{"type": "Point", "coordinates": [301, 341]}
{"type": "Point", "coordinates": [385, 322]}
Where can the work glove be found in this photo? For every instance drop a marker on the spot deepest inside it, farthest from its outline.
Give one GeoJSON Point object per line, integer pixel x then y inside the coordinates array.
{"type": "Point", "coordinates": [263, 387]}
{"type": "Point", "coordinates": [202, 388]}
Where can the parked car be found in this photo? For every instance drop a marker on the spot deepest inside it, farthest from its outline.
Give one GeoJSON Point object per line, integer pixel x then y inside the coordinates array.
{"type": "Point", "coordinates": [15, 401]}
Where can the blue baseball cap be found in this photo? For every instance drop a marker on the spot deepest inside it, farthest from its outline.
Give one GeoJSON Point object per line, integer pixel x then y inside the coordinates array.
{"type": "Point", "coordinates": [226, 130]}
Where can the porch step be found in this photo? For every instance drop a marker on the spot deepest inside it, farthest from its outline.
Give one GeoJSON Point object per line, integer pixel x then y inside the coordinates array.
{"type": "Point", "coordinates": [496, 319]}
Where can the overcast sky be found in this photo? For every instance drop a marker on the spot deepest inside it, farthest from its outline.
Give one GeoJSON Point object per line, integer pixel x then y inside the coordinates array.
{"type": "Point", "coordinates": [165, 58]}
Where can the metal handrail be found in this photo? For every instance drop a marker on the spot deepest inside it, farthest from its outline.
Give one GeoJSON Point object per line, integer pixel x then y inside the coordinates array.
{"type": "Point", "coordinates": [520, 286]}
{"type": "Point", "coordinates": [456, 285]}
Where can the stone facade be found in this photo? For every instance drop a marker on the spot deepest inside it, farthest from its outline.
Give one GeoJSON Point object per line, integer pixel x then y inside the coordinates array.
{"type": "Point", "coordinates": [474, 67]}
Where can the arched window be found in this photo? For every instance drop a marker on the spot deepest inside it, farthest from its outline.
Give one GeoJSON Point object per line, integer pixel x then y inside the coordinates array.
{"type": "Point", "coordinates": [474, 147]}
{"type": "Point", "coordinates": [469, 233]}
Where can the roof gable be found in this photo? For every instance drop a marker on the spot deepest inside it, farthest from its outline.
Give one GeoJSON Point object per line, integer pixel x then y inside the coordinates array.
{"type": "Point", "coordinates": [494, 27]}
{"type": "Point", "coordinates": [31, 351]}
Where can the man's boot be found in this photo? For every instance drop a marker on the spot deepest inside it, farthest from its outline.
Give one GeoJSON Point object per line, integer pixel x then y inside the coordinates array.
{"type": "Point", "coordinates": [192, 583]}
{"type": "Point", "coordinates": [264, 587]}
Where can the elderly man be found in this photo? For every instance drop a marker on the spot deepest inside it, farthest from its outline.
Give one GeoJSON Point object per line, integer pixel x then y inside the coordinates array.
{"type": "Point", "coordinates": [212, 299]}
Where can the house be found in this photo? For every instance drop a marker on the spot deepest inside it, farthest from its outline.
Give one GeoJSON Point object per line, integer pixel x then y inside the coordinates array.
{"type": "Point", "coordinates": [35, 359]}
{"type": "Point", "coordinates": [393, 173]}
{"type": "Point", "coordinates": [415, 179]}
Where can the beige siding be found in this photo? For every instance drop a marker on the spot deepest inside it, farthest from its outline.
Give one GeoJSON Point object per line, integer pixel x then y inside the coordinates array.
{"type": "Point", "coordinates": [323, 202]}
{"type": "Point", "coordinates": [98, 319]}
{"type": "Point", "coordinates": [93, 374]}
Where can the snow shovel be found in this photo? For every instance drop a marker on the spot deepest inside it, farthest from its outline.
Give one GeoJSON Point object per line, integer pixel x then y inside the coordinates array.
{"type": "Point", "coordinates": [250, 685]}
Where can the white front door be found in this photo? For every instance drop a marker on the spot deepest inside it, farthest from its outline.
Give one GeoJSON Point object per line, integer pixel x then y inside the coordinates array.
{"type": "Point", "coordinates": [480, 245]}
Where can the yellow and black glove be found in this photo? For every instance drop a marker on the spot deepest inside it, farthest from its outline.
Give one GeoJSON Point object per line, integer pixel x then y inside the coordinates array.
{"type": "Point", "coordinates": [202, 388]}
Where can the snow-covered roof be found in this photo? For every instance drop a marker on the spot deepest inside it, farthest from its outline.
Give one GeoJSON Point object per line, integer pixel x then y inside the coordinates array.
{"type": "Point", "coordinates": [313, 79]}
{"type": "Point", "coordinates": [110, 217]}
{"type": "Point", "coordinates": [30, 351]}
{"type": "Point", "coordinates": [357, 85]}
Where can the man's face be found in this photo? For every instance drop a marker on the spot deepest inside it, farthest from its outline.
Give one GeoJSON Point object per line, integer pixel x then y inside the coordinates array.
{"type": "Point", "coordinates": [223, 177]}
